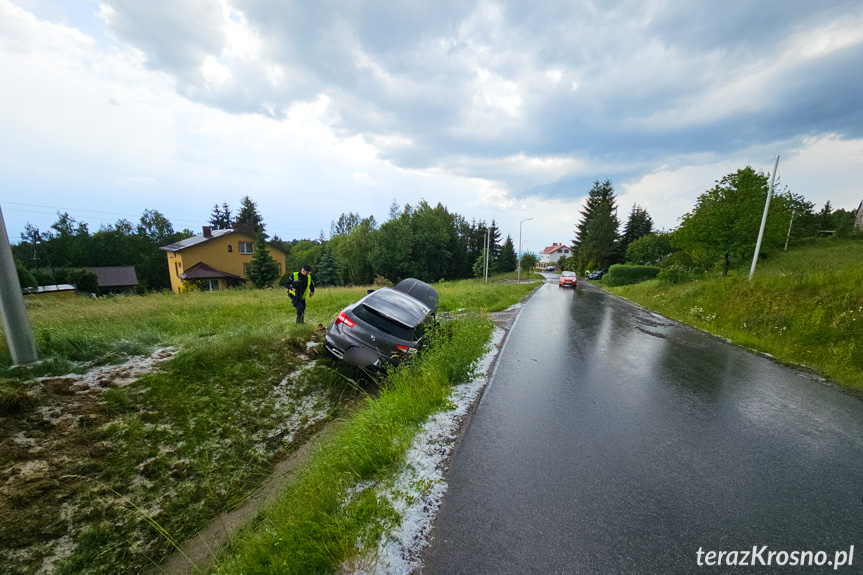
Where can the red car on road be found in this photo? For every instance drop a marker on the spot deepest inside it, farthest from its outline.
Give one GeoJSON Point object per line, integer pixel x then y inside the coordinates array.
{"type": "Point", "coordinates": [567, 279]}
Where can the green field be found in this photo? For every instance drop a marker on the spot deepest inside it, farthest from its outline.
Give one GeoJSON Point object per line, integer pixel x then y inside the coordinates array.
{"type": "Point", "coordinates": [102, 477]}
{"type": "Point", "coordinates": [803, 306]}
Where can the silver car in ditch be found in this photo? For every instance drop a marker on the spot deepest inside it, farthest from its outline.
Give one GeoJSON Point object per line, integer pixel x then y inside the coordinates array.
{"type": "Point", "coordinates": [386, 327]}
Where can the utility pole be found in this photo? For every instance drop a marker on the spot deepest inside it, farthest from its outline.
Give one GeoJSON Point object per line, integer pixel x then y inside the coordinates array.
{"type": "Point", "coordinates": [764, 218]}
{"type": "Point", "coordinates": [16, 325]}
{"type": "Point", "coordinates": [788, 237]}
{"type": "Point", "coordinates": [487, 236]}
{"type": "Point", "coordinates": [519, 248]}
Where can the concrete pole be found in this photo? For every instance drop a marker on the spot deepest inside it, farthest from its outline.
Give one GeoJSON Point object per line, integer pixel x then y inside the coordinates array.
{"type": "Point", "coordinates": [16, 325]}
{"type": "Point", "coordinates": [519, 248]}
{"type": "Point", "coordinates": [764, 219]}
{"type": "Point", "coordinates": [487, 254]}
{"type": "Point", "coordinates": [788, 237]}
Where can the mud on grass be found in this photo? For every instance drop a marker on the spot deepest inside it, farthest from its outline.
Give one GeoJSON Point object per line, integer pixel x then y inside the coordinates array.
{"type": "Point", "coordinates": [101, 471]}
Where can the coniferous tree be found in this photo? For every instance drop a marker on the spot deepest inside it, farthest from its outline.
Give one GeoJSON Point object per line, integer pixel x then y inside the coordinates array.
{"type": "Point", "coordinates": [596, 234]}
{"type": "Point", "coordinates": [637, 226]}
{"type": "Point", "coordinates": [345, 224]}
{"type": "Point", "coordinates": [494, 240]}
{"type": "Point", "coordinates": [599, 193]}
{"type": "Point", "coordinates": [395, 210]}
{"type": "Point", "coordinates": [479, 267]}
{"type": "Point", "coordinates": [263, 269]}
{"type": "Point", "coordinates": [220, 218]}
{"type": "Point", "coordinates": [825, 217]}
{"type": "Point", "coordinates": [249, 216]}
{"type": "Point", "coordinates": [326, 272]}
{"type": "Point", "coordinates": [507, 258]}
{"type": "Point", "coordinates": [599, 246]}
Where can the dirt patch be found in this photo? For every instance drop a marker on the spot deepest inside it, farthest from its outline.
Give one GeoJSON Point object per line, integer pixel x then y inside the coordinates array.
{"type": "Point", "coordinates": [44, 452]}
{"type": "Point", "coordinates": [198, 553]}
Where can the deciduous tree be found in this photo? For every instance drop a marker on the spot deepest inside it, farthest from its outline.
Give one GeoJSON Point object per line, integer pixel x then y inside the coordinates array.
{"type": "Point", "coordinates": [649, 250]}
{"type": "Point", "coordinates": [725, 221]}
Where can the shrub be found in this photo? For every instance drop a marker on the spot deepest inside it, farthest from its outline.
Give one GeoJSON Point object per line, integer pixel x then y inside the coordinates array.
{"type": "Point", "coordinates": [681, 259]}
{"type": "Point", "coordinates": [619, 275]}
{"type": "Point", "coordinates": [381, 281]}
{"type": "Point", "coordinates": [84, 281]}
{"type": "Point", "coordinates": [674, 274]}
{"type": "Point", "coordinates": [25, 278]}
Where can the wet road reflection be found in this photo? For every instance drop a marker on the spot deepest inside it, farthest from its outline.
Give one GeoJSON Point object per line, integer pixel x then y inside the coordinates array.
{"type": "Point", "coordinates": [612, 440]}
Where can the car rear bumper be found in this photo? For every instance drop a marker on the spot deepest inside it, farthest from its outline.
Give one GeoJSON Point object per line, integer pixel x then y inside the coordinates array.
{"type": "Point", "coordinates": [343, 346]}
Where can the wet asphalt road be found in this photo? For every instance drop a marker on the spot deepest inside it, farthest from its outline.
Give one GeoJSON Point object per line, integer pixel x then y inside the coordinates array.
{"type": "Point", "coordinates": [611, 440]}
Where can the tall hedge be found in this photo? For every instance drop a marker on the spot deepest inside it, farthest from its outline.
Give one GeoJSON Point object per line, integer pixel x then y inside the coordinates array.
{"type": "Point", "coordinates": [620, 275]}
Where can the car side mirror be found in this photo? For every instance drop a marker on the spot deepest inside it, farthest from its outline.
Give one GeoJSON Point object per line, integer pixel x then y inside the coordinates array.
{"type": "Point", "coordinates": [370, 291]}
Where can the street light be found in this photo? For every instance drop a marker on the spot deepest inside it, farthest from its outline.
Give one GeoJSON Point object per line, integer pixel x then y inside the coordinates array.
{"type": "Point", "coordinates": [519, 248]}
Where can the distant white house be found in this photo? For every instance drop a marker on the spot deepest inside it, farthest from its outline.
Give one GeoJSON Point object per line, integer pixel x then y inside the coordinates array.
{"type": "Point", "coordinates": [553, 253]}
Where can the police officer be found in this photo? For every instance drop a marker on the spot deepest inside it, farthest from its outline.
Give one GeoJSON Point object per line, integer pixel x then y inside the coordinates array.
{"type": "Point", "coordinates": [299, 287]}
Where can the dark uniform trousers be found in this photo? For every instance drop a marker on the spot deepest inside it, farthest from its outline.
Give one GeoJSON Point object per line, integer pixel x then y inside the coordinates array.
{"type": "Point", "coordinates": [300, 304]}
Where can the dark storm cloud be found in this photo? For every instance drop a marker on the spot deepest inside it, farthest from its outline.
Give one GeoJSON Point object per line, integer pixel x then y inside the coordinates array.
{"type": "Point", "coordinates": [453, 84]}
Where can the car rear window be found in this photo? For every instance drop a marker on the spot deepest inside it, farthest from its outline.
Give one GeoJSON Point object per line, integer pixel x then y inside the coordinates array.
{"type": "Point", "coordinates": [385, 325]}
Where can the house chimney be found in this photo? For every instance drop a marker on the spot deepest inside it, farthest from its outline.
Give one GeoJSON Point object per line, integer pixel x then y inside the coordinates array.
{"type": "Point", "coordinates": [207, 233]}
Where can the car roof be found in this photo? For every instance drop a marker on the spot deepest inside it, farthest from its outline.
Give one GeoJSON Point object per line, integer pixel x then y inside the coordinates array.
{"type": "Point", "coordinates": [421, 291]}
{"type": "Point", "coordinates": [397, 306]}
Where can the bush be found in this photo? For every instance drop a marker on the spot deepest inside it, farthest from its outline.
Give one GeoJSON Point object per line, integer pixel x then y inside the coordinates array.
{"type": "Point", "coordinates": [25, 278]}
{"type": "Point", "coordinates": [681, 259]}
{"type": "Point", "coordinates": [84, 281]}
{"type": "Point", "coordinates": [620, 275]}
{"type": "Point", "coordinates": [674, 274]}
{"type": "Point", "coordinates": [381, 281]}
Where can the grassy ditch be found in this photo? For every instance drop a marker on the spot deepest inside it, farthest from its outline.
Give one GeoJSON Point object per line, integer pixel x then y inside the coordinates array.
{"type": "Point", "coordinates": [97, 468]}
{"type": "Point", "coordinates": [318, 524]}
{"type": "Point", "coordinates": [803, 307]}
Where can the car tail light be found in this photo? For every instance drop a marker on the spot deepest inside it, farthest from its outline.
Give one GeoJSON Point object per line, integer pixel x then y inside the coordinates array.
{"type": "Point", "coordinates": [403, 348]}
{"type": "Point", "coordinates": [345, 320]}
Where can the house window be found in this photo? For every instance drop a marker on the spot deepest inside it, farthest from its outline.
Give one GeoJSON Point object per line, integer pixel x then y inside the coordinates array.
{"type": "Point", "coordinates": [247, 248]}
{"type": "Point", "coordinates": [230, 248]}
{"type": "Point", "coordinates": [246, 270]}
{"type": "Point", "coordinates": [213, 285]}
{"type": "Point", "coordinates": [280, 267]}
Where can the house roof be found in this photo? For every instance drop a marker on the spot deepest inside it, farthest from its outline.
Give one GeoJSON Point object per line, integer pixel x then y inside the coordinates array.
{"type": "Point", "coordinates": [201, 238]}
{"type": "Point", "coordinates": [553, 248]}
{"type": "Point", "coordinates": [117, 276]}
{"type": "Point", "coordinates": [201, 271]}
{"type": "Point", "coordinates": [48, 289]}
{"type": "Point", "coordinates": [195, 240]}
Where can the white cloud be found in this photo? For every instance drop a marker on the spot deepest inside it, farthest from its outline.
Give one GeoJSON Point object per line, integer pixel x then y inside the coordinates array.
{"type": "Point", "coordinates": [363, 178]}
{"type": "Point", "coordinates": [494, 109]}
{"type": "Point", "coordinates": [136, 181]}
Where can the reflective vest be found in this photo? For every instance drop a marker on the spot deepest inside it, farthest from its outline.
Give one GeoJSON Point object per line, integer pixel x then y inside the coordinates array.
{"type": "Point", "coordinates": [293, 292]}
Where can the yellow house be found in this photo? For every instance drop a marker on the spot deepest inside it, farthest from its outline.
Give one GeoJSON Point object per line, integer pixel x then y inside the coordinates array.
{"type": "Point", "coordinates": [219, 259]}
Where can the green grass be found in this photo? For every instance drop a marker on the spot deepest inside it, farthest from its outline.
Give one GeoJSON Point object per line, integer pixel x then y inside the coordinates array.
{"type": "Point", "coordinates": [184, 443]}
{"type": "Point", "coordinates": [316, 526]}
{"type": "Point", "coordinates": [803, 307]}
{"type": "Point", "coordinates": [477, 295]}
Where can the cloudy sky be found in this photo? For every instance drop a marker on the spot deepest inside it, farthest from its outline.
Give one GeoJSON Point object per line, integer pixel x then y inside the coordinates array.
{"type": "Point", "coordinates": [496, 109]}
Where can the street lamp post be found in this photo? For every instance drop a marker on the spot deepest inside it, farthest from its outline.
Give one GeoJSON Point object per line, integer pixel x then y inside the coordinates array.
{"type": "Point", "coordinates": [519, 248]}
